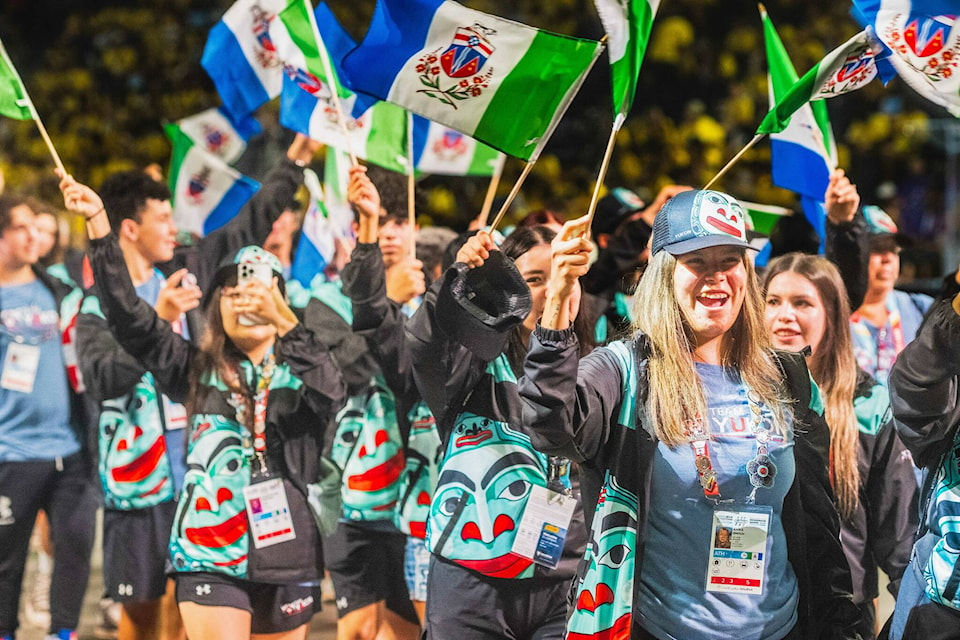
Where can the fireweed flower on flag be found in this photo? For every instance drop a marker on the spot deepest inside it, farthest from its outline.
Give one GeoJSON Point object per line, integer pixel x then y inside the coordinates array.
{"type": "Point", "coordinates": [501, 82]}
{"type": "Point", "coordinates": [921, 45]}
{"type": "Point", "coordinates": [845, 69]}
{"type": "Point", "coordinates": [207, 192]}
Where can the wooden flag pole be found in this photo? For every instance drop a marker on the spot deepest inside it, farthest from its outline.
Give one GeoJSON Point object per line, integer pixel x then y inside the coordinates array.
{"type": "Point", "coordinates": [411, 188]}
{"type": "Point", "coordinates": [331, 80]}
{"type": "Point", "coordinates": [733, 160]}
{"type": "Point", "coordinates": [491, 193]}
{"type": "Point", "coordinates": [617, 124]}
{"type": "Point", "coordinates": [46, 138]}
{"type": "Point", "coordinates": [512, 195]}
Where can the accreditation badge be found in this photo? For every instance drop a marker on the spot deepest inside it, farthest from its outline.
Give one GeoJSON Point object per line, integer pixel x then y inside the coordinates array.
{"type": "Point", "coordinates": [269, 513]}
{"type": "Point", "coordinates": [20, 367]}
{"type": "Point", "coordinates": [543, 527]}
{"type": "Point", "coordinates": [738, 549]}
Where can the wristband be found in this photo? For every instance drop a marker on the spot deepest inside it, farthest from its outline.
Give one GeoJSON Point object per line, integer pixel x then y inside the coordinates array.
{"type": "Point", "coordinates": [99, 211]}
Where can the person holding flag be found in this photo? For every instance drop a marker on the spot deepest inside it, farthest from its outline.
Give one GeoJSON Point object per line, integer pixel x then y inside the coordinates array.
{"type": "Point", "coordinates": [691, 424]}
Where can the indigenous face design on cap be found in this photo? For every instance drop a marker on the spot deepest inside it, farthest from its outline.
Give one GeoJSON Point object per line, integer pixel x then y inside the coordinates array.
{"type": "Point", "coordinates": [720, 214]}
{"type": "Point", "coordinates": [257, 255]}
{"type": "Point", "coordinates": [368, 449]}
{"type": "Point", "coordinates": [878, 220]}
{"type": "Point", "coordinates": [485, 481]}
{"type": "Point", "coordinates": [694, 220]}
{"type": "Point", "coordinates": [602, 610]}
{"type": "Point", "coordinates": [211, 522]}
{"type": "Point", "coordinates": [135, 470]}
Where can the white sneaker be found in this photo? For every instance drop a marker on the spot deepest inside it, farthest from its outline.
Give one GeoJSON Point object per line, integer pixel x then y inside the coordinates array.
{"type": "Point", "coordinates": [109, 621]}
{"type": "Point", "coordinates": [36, 609]}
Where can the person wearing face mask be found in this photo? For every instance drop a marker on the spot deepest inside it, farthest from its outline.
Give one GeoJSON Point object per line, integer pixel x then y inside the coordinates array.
{"type": "Point", "coordinates": [871, 471]}
{"type": "Point", "coordinates": [260, 390]}
{"type": "Point", "coordinates": [498, 569]}
{"type": "Point", "coordinates": [692, 423]}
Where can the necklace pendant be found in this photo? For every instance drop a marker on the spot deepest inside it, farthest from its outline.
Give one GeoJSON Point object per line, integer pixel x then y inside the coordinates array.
{"type": "Point", "coordinates": [762, 471]}
{"type": "Point", "coordinates": [708, 480]}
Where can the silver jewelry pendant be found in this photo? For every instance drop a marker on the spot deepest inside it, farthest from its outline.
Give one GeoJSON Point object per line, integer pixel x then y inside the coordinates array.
{"type": "Point", "coordinates": [761, 471]}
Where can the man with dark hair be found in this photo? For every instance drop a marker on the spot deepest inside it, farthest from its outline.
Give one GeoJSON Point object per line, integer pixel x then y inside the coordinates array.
{"type": "Point", "coordinates": [43, 459]}
{"type": "Point", "coordinates": [142, 445]}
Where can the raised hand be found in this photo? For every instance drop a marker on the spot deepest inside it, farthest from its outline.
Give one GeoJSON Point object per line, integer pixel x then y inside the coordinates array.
{"type": "Point", "coordinates": [177, 296]}
{"type": "Point", "coordinates": [405, 280]}
{"type": "Point", "coordinates": [476, 249]}
{"type": "Point", "coordinates": [841, 199]}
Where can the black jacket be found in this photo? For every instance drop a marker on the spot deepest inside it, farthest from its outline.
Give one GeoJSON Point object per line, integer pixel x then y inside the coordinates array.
{"type": "Point", "coordinates": [573, 407]}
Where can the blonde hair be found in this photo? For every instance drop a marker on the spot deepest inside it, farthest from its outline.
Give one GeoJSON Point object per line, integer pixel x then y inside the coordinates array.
{"type": "Point", "coordinates": [676, 394]}
{"type": "Point", "coordinates": [834, 369]}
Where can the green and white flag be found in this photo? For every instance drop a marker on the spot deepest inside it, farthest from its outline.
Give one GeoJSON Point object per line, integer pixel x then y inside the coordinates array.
{"type": "Point", "coordinates": [504, 83]}
{"type": "Point", "coordinates": [847, 68]}
{"type": "Point", "coordinates": [628, 24]}
{"type": "Point", "coordinates": [14, 101]}
{"type": "Point", "coordinates": [207, 192]}
{"type": "Point", "coordinates": [307, 102]}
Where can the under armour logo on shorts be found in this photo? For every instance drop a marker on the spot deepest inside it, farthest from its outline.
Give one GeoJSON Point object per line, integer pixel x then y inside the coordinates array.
{"type": "Point", "coordinates": [203, 589]}
{"type": "Point", "coordinates": [341, 603]}
{"type": "Point", "coordinates": [125, 589]}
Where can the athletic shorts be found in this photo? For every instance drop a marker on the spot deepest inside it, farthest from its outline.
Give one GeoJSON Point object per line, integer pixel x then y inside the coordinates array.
{"type": "Point", "coordinates": [366, 567]}
{"type": "Point", "coordinates": [416, 568]}
{"type": "Point", "coordinates": [135, 552]}
{"type": "Point", "coordinates": [274, 608]}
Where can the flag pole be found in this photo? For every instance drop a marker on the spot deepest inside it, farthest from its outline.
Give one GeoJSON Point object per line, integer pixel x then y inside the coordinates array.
{"type": "Point", "coordinates": [411, 188]}
{"type": "Point", "coordinates": [733, 160]}
{"type": "Point", "coordinates": [491, 192]}
{"type": "Point", "coordinates": [512, 195]}
{"type": "Point", "coordinates": [617, 124]}
{"type": "Point", "coordinates": [33, 111]}
{"type": "Point", "coordinates": [46, 137]}
{"type": "Point", "coordinates": [328, 70]}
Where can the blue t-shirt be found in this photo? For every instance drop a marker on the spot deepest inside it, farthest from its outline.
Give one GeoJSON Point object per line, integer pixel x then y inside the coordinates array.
{"type": "Point", "coordinates": [35, 426]}
{"type": "Point", "coordinates": [176, 440]}
{"type": "Point", "coordinates": [673, 601]}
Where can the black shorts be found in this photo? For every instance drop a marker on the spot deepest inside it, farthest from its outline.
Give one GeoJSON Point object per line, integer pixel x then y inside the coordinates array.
{"type": "Point", "coordinates": [366, 566]}
{"type": "Point", "coordinates": [274, 608]}
{"type": "Point", "coordinates": [135, 552]}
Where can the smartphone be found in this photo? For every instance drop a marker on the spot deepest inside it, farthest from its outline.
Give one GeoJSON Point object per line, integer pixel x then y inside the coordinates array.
{"type": "Point", "coordinates": [261, 271]}
{"type": "Point", "coordinates": [253, 271]}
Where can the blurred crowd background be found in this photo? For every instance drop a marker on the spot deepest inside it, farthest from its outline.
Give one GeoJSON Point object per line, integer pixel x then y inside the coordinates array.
{"type": "Point", "coordinates": [105, 75]}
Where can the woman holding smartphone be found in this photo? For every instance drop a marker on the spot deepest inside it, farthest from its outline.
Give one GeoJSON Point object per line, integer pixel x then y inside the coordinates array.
{"type": "Point", "coordinates": [260, 390]}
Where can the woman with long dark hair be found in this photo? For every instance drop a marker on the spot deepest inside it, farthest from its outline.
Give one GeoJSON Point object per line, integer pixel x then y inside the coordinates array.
{"type": "Point", "coordinates": [871, 472]}
{"type": "Point", "coordinates": [261, 390]}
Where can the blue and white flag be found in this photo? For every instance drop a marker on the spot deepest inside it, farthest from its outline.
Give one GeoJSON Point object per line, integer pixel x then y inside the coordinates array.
{"type": "Point", "coordinates": [207, 192]}
{"type": "Point", "coordinates": [329, 217]}
{"type": "Point", "coordinates": [217, 134]}
{"type": "Point", "coordinates": [804, 154]}
{"type": "Point", "coordinates": [241, 59]}
{"type": "Point", "coordinates": [920, 41]}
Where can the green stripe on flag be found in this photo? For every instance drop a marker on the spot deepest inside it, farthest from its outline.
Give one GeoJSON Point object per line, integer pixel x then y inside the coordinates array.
{"type": "Point", "coordinates": [386, 139]}
{"type": "Point", "coordinates": [299, 21]}
{"type": "Point", "coordinates": [14, 102]}
{"type": "Point", "coordinates": [779, 117]}
{"type": "Point", "coordinates": [484, 160]}
{"type": "Point", "coordinates": [625, 71]}
{"type": "Point", "coordinates": [181, 147]}
{"type": "Point", "coordinates": [538, 87]}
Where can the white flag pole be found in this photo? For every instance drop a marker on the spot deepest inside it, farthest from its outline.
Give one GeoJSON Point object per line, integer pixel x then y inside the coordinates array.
{"type": "Point", "coordinates": [331, 77]}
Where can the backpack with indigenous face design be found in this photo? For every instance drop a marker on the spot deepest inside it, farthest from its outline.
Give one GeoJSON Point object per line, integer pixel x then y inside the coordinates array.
{"type": "Point", "coordinates": [942, 570]}
{"type": "Point", "coordinates": [368, 448]}
{"type": "Point", "coordinates": [419, 478]}
{"type": "Point", "coordinates": [486, 478]}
